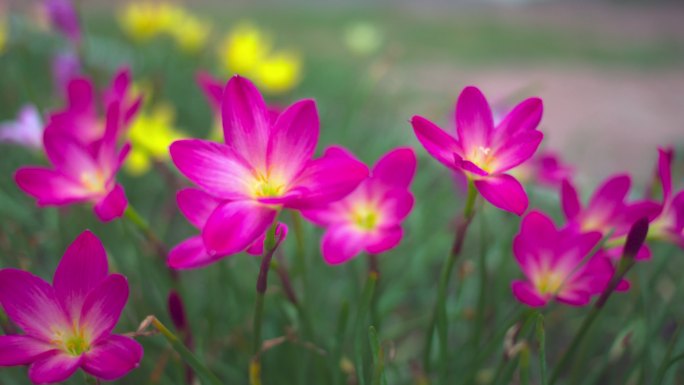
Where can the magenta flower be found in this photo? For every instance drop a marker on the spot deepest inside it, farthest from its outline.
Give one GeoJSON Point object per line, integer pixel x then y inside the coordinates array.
{"type": "Point", "coordinates": [197, 206]}
{"type": "Point", "coordinates": [263, 167]}
{"type": "Point", "coordinates": [79, 173]}
{"type": "Point", "coordinates": [369, 219]}
{"type": "Point", "coordinates": [544, 168]}
{"type": "Point", "coordinates": [484, 151]}
{"type": "Point", "coordinates": [64, 18]}
{"type": "Point", "coordinates": [553, 262]}
{"type": "Point", "coordinates": [65, 67]}
{"type": "Point", "coordinates": [26, 130]}
{"type": "Point", "coordinates": [668, 215]}
{"type": "Point", "coordinates": [213, 92]}
{"type": "Point", "coordinates": [68, 325]}
{"type": "Point", "coordinates": [80, 118]}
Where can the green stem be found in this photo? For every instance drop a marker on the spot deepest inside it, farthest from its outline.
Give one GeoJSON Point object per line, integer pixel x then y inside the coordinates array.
{"type": "Point", "coordinates": [439, 316]}
{"type": "Point", "coordinates": [359, 330]}
{"type": "Point", "coordinates": [482, 272]}
{"type": "Point", "coordinates": [141, 224]}
{"type": "Point", "coordinates": [665, 364]}
{"type": "Point", "coordinates": [541, 339]}
{"type": "Point", "coordinates": [186, 355]}
{"type": "Point", "coordinates": [91, 380]}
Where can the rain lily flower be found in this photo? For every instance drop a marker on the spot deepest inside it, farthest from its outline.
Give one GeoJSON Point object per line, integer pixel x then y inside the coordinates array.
{"type": "Point", "coordinates": [64, 18]}
{"type": "Point", "coordinates": [26, 130]}
{"type": "Point", "coordinates": [553, 262]}
{"type": "Point", "coordinates": [668, 215]}
{"type": "Point", "coordinates": [79, 173]}
{"type": "Point", "coordinates": [151, 133]}
{"type": "Point", "coordinates": [65, 67]}
{"type": "Point", "coordinates": [369, 219]}
{"type": "Point", "coordinates": [68, 325]}
{"type": "Point", "coordinates": [80, 118]}
{"type": "Point", "coordinates": [486, 152]}
{"type": "Point", "coordinates": [197, 206]}
{"type": "Point", "coordinates": [248, 51]}
{"type": "Point", "coordinates": [263, 167]}
{"type": "Point", "coordinates": [545, 169]}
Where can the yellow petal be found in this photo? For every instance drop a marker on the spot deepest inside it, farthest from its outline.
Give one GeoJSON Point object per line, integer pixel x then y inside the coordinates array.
{"type": "Point", "coordinates": [279, 72]}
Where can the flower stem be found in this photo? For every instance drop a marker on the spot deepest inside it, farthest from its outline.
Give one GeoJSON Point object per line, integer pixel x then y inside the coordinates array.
{"type": "Point", "coordinates": [665, 364]}
{"type": "Point", "coordinates": [439, 316]}
{"type": "Point", "coordinates": [541, 339]}
{"type": "Point", "coordinates": [91, 380]}
{"type": "Point", "coordinates": [203, 373]}
{"type": "Point", "coordinates": [359, 330]}
{"type": "Point", "coordinates": [141, 224]}
{"type": "Point", "coordinates": [270, 246]}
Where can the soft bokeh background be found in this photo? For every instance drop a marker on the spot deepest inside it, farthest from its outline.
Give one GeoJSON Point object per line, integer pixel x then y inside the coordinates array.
{"type": "Point", "coordinates": [612, 78]}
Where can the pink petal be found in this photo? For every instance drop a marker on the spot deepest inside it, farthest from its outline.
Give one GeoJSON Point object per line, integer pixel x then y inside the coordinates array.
{"type": "Point", "coordinates": [68, 156]}
{"type": "Point", "coordinates": [503, 191]}
{"type": "Point", "coordinates": [327, 179]}
{"type": "Point", "coordinates": [214, 167]}
{"type": "Point", "coordinates": [293, 140]}
{"type": "Point", "coordinates": [212, 89]}
{"type": "Point", "coordinates": [527, 294]}
{"type": "Point", "coordinates": [234, 226]}
{"type": "Point", "coordinates": [574, 297]}
{"type": "Point", "coordinates": [21, 350]}
{"type": "Point", "coordinates": [524, 117]}
{"type": "Point", "coordinates": [257, 248]}
{"type": "Point", "coordinates": [103, 306]}
{"type": "Point", "coordinates": [396, 168]}
{"type": "Point", "coordinates": [31, 303]}
{"type": "Point", "coordinates": [395, 206]}
{"type": "Point", "coordinates": [570, 200]}
{"type": "Point", "coordinates": [516, 150]}
{"type": "Point", "coordinates": [665, 171]}
{"type": "Point", "coordinates": [384, 239]}
{"type": "Point", "coordinates": [342, 243]}
{"type": "Point", "coordinates": [49, 187]}
{"type": "Point", "coordinates": [534, 242]}
{"type": "Point", "coordinates": [610, 195]}
{"type": "Point", "coordinates": [52, 368]}
{"type": "Point", "coordinates": [112, 206]}
{"type": "Point", "coordinates": [438, 143]}
{"type": "Point", "coordinates": [190, 254]}
{"type": "Point", "coordinates": [474, 122]}
{"type": "Point", "coordinates": [81, 96]}
{"type": "Point", "coordinates": [113, 357]}
{"type": "Point", "coordinates": [196, 205]}
{"type": "Point", "coordinates": [246, 121]}
{"type": "Point", "coordinates": [82, 268]}
{"type": "Point", "coordinates": [471, 167]}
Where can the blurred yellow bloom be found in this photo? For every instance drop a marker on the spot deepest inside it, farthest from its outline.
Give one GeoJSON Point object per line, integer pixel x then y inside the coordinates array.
{"type": "Point", "coordinates": [143, 21]}
{"type": "Point", "coordinates": [248, 51]}
{"type": "Point", "coordinates": [3, 34]}
{"type": "Point", "coordinates": [151, 133]}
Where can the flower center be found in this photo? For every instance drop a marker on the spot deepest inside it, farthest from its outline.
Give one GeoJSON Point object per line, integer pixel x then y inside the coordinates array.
{"type": "Point", "coordinates": [482, 157]}
{"type": "Point", "coordinates": [75, 344]}
{"type": "Point", "coordinates": [365, 218]}
{"type": "Point", "coordinates": [549, 282]}
{"type": "Point", "coordinates": [93, 181]}
{"type": "Point", "coordinates": [266, 187]}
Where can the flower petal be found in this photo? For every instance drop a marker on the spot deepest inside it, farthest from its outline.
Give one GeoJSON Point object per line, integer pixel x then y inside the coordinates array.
{"type": "Point", "coordinates": [234, 226]}
{"type": "Point", "coordinates": [570, 200]}
{"type": "Point", "coordinates": [54, 367]}
{"type": "Point", "coordinates": [82, 268]}
{"type": "Point", "coordinates": [212, 89]}
{"type": "Point", "coordinates": [327, 179]}
{"type": "Point", "coordinates": [342, 243]}
{"type": "Point", "coordinates": [113, 357]}
{"type": "Point", "coordinates": [31, 303]}
{"type": "Point", "coordinates": [49, 187]}
{"type": "Point", "coordinates": [257, 248]}
{"type": "Point", "coordinates": [103, 306]}
{"type": "Point", "coordinates": [212, 166]}
{"type": "Point", "coordinates": [396, 168]}
{"type": "Point", "coordinates": [503, 191]}
{"type": "Point", "coordinates": [436, 141]}
{"type": "Point", "coordinates": [68, 156]}
{"type": "Point", "coordinates": [516, 150]}
{"type": "Point", "coordinates": [609, 197]}
{"type": "Point", "coordinates": [196, 205]}
{"type": "Point", "coordinates": [384, 239]}
{"type": "Point", "coordinates": [293, 140]}
{"type": "Point", "coordinates": [190, 254]}
{"type": "Point", "coordinates": [395, 206]}
{"type": "Point", "coordinates": [524, 117]}
{"type": "Point", "coordinates": [526, 293]}
{"type": "Point", "coordinates": [665, 171]}
{"type": "Point", "coordinates": [246, 122]}
{"type": "Point", "coordinates": [474, 121]}
{"type": "Point", "coordinates": [112, 206]}
{"type": "Point", "coordinates": [21, 350]}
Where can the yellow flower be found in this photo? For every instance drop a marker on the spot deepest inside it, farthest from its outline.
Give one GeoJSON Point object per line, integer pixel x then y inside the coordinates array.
{"type": "Point", "coordinates": [190, 33]}
{"type": "Point", "coordinates": [248, 51]}
{"type": "Point", "coordinates": [151, 134]}
{"type": "Point", "coordinates": [143, 21]}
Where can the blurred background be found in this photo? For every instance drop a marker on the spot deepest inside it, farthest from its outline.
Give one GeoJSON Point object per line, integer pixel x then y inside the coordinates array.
{"type": "Point", "coordinates": [611, 74]}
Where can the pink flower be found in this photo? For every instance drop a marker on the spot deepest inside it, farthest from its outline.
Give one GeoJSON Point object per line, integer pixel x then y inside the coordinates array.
{"type": "Point", "coordinates": [668, 215]}
{"type": "Point", "coordinates": [80, 118]}
{"type": "Point", "coordinates": [64, 18]}
{"type": "Point", "coordinates": [68, 325]}
{"type": "Point", "coordinates": [553, 262]}
{"type": "Point", "coordinates": [263, 167]}
{"type": "Point", "coordinates": [197, 206]}
{"type": "Point", "coordinates": [369, 219]}
{"type": "Point", "coordinates": [79, 173]}
{"type": "Point", "coordinates": [26, 130]}
{"type": "Point", "coordinates": [484, 151]}
{"type": "Point", "coordinates": [544, 168]}
{"type": "Point", "coordinates": [65, 67]}
{"type": "Point", "coordinates": [213, 91]}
